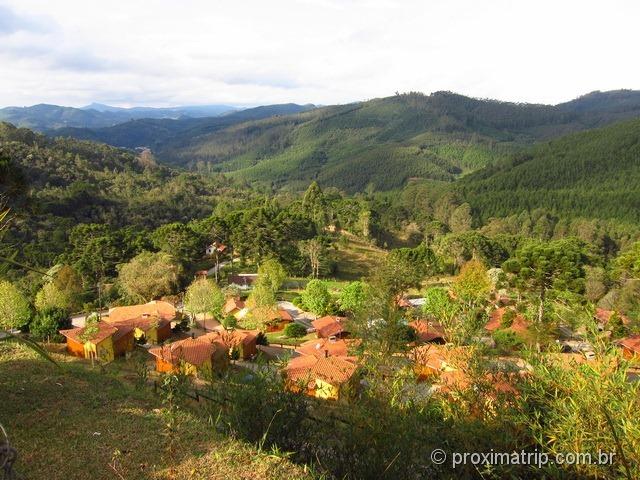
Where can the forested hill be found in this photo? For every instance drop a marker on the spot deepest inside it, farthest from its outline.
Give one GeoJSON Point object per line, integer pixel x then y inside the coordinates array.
{"type": "Point", "coordinates": [156, 132]}
{"type": "Point", "coordinates": [592, 174]}
{"type": "Point", "coordinates": [385, 142]}
{"type": "Point", "coordinates": [53, 184]}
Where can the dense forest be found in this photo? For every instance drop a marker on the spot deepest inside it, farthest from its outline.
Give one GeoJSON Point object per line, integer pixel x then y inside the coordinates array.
{"type": "Point", "coordinates": [594, 174]}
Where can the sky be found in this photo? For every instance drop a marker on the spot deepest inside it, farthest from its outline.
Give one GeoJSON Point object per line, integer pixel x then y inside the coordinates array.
{"type": "Point", "coordinates": [257, 52]}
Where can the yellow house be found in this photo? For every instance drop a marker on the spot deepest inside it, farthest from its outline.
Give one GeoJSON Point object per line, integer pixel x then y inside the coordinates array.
{"type": "Point", "coordinates": [104, 343]}
{"type": "Point", "coordinates": [329, 378]}
{"type": "Point", "coordinates": [191, 356]}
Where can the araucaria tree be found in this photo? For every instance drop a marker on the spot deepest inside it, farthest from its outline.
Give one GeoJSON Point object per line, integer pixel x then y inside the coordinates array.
{"type": "Point", "coordinates": [542, 266]}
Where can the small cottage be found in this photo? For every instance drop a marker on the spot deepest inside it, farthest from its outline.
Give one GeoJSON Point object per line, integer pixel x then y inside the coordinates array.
{"type": "Point", "coordinates": [631, 348]}
{"type": "Point", "coordinates": [192, 356]}
{"type": "Point", "coordinates": [103, 341]}
{"type": "Point", "coordinates": [428, 332]}
{"type": "Point", "coordinates": [323, 347]}
{"type": "Point", "coordinates": [330, 326]}
{"type": "Point", "coordinates": [234, 306]}
{"type": "Point", "coordinates": [329, 378]}
{"type": "Point", "coordinates": [240, 344]}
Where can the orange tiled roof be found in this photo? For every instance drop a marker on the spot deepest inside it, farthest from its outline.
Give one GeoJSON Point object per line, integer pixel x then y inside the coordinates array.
{"type": "Point", "coordinates": [144, 323]}
{"type": "Point", "coordinates": [285, 315]}
{"type": "Point", "coordinates": [159, 309]}
{"type": "Point", "coordinates": [232, 304]}
{"type": "Point", "coordinates": [518, 325]}
{"type": "Point", "coordinates": [403, 302]}
{"type": "Point", "coordinates": [193, 351]}
{"type": "Point", "coordinates": [632, 343]}
{"type": "Point", "coordinates": [319, 347]}
{"type": "Point", "coordinates": [329, 325]}
{"type": "Point", "coordinates": [333, 370]}
{"type": "Point", "coordinates": [105, 330]}
{"type": "Point", "coordinates": [231, 337]}
{"type": "Point", "coordinates": [431, 356]}
{"type": "Point", "coordinates": [427, 331]}
{"type": "Point", "coordinates": [603, 316]}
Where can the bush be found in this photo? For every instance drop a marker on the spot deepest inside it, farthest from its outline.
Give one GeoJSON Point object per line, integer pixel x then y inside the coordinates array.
{"type": "Point", "coordinates": [46, 324]}
{"type": "Point", "coordinates": [507, 340]}
{"type": "Point", "coordinates": [295, 330]}
{"type": "Point", "coordinates": [262, 339]}
{"type": "Point", "coordinates": [230, 322]}
{"type": "Point", "coordinates": [316, 297]}
{"type": "Point", "coordinates": [297, 301]}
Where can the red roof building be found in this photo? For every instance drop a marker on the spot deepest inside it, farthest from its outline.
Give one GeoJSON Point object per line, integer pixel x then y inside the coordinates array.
{"type": "Point", "coordinates": [324, 377]}
{"type": "Point", "coordinates": [105, 343]}
{"type": "Point", "coordinates": [155, 308]}
{"type": "Point", "coordinates": [233, 305]}
{"type": "Point", "coordinates": [193, 356]}
{"type": "Point", "coordinates": [631, 347]}
{"type": "Point", "coordinates": [329, 326]}
{"type": "Point", "coordinates": [323, 347]}
{"type": "Point", "coordinates": [497, 321]}
{"type": "Point", "coordinates": [428, 332]}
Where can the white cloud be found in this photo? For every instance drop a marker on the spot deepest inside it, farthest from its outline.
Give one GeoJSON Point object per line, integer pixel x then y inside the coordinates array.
{"type": "Point", "coordinates": [162, 52]}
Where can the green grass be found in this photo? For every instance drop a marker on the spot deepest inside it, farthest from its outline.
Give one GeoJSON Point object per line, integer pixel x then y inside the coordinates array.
{"type": "Point", "coordinates": [355, 258]}
{"type": "Point", "coordinates": [74, 422]}
{"type": "Point", "coordinates": [280, 338]}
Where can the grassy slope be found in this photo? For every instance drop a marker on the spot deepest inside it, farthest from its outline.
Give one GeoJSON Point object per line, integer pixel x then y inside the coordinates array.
{"type": "Point", "coordinates": [51, 416]}
{"type": "Point", "coordinates": [355, 258]}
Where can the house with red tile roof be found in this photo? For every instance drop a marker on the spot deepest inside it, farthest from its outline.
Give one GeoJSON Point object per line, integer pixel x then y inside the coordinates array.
{"type": "Point", "coordinates": [192, 356]}
{"type": "Point", "coordinates": [631, 348]}
{"type": "Point", "coordinates": [603, 317]}
{"type": "Point", "coordinates": [238, 342]}
{"type": "Point", "coordinates": [215, 248]}
{"type": "Point", "coordinates": [323, 347]}
{"type": "Point", "coordinates": [428, 332]}
{"type": "Point", "coordinates": [330, 326]}
{"type": "Point", "coordinates": [277, 319]}
{"type": "Point", "coordinates": [146, 328]}
{"type": "Point", "coordinates": [507, 318]}
{"type": "Point", "coordinates": [156, 308]}
{"type": "Point", "coordinates": [431, 360]}
{"type": "Point", "coordinates": [103, 342]}
{"type": "Point", "coordinates": [233, 306]}
{"type": "Point", "coordinates": [331, 377]}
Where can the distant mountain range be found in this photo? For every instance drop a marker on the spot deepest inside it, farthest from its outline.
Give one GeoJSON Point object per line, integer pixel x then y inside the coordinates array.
{"type": "Point", "coordinates": [47, 117]}
{"type": "Point", "coordinates": [381, 144]}
{"type": "Point", "coordinates": [154, 133]}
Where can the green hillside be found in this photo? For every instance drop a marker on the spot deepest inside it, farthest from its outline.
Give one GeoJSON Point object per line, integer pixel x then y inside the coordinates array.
{"type": "Point", "coordinates": [383, 143]}
{"type": "Point", "coordinates": [156, 132]}
{"type": "Point", "coordinates": [594, 173]}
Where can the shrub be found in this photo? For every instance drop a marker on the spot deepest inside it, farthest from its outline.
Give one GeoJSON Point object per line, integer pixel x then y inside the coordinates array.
{"type": "Point", "coordinates": [262, 339]}
{"type": "Point", "coordinates": [46, 324]}
{"type": "Point", "coordinates": [297, 301]}
{"type": "Point", "coordinates": [295, 330]}
{"type": "Point", "coordinates": [507, 340]}
{"type": "Point", "coordinates": [230, 322]}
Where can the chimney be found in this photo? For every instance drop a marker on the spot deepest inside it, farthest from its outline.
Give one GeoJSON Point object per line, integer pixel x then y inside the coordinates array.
{"type": "Point", "coordinates": [326, 354]}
